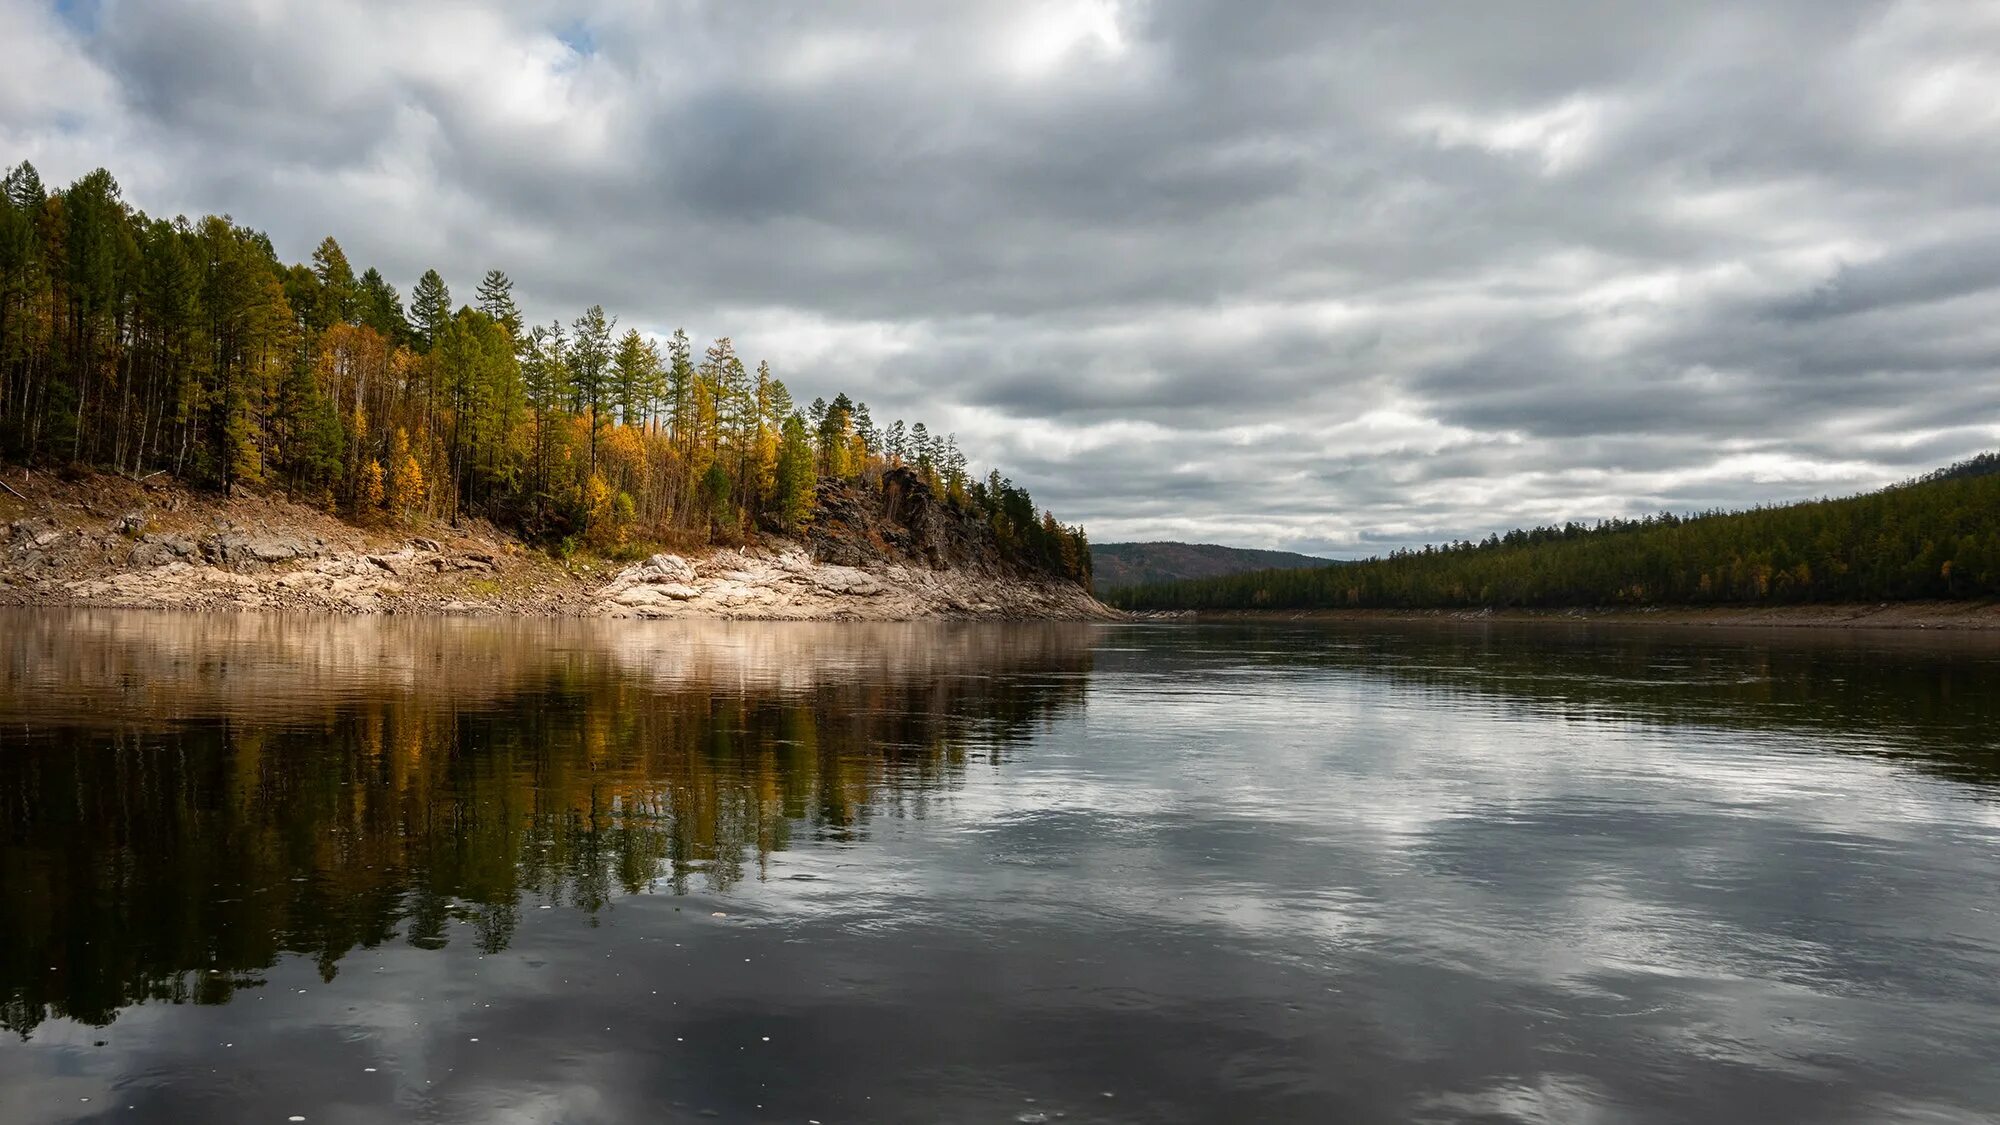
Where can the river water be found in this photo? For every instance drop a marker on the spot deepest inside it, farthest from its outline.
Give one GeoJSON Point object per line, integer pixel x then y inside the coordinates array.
{"type": "Point", "coordinates": [257, 868]}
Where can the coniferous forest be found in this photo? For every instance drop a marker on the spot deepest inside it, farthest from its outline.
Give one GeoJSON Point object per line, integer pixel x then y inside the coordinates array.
{"type": "Point", "coordinates": [1936, 537]}
{"type": "Point", "coordinates": [144, 345]}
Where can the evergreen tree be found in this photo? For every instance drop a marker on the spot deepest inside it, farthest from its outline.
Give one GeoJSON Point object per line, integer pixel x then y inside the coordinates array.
{"type": "Point", "coordinates": [21, 263]}
{"type": "Point", "coordinates": [496, 300]}
{"type": "Point", "coordinates": [680, 388]}
{"type": "Point", "coordinates": [778, 406]}
{"type": "Point", "coordinates": [339, 296]}
{"type": "Point", "coordinates": [793, 492]}
{"type": "Point", "coordinates": [952, 466]}
{"type": "Point", "coordinates": [835, 427]}
{"type": "Point", "coordinates": [547, 368]}
{"type": "Point", "coordinates": [864, 429]}
{"type": "Point", "coordinates": [92, 254]}
{"type": "Point", "coordinates": [729, 385]}
{"type": "Point", "coordinates": [590, 368]}
{"type": "Point", "coordinates": [430, 308]}
{"type": "Point", "coordinates": [546, 374]}
{"type": "Point", "coordinates": [381, 307]}
{"type": "Point", "coordinates": [637, 368]}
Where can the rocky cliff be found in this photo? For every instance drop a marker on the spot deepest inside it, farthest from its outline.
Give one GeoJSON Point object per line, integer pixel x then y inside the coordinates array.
{"type": "Point", "coordinates": [892, 553]}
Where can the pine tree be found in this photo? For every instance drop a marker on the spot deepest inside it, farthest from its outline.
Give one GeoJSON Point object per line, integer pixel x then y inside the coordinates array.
{"type": "Point", "coordinates": [22, 279]}
{"type": "Point", "coordinates": [793, 491]}
{"type": "Point", "coordinates": [339, 295]}
{"type": "Point", "coordinates": [169, 302]}
{"type": "Point", "coordinates": [547, 377]}
{"type": "Point", "coordinates": [864, 429]}
{"type": "Point", "coordinates": [729, 388]}
{"type": "Point", "coordinates": [91, 247]}
{"type": "Point", "coordinates": [637, 366]}
{"type": "Point", "coordinates": [680, 389]}
{"type": "Point", "coordinates": [590, 367]}
{"type": "Point", "coordinates": [779, 407]}
{"type": "Point", "coordinates": [835, 430]}
{"type": "Point", "coordinates": [381, 307]}
{"type": "Point", "coordinates": [430, 308]}
{"type": "Point", "coordinates": [952, 468]}
{"type": "Point", "coordinates": [547, 368]}
{"type": "Point", "coordinates": [757, 475]}
{"type": "Point", "coordinates": [496, 300]}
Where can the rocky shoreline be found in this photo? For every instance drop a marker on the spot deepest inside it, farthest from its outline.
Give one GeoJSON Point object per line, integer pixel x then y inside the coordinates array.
{"type": "Point", "coordinates": [109, 542]}
{"type": "Point", "coordinates": [781, 581]}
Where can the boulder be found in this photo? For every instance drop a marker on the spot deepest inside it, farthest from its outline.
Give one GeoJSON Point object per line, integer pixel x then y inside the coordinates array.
{"type": "Point", "coordinates": [655, 594]}
{"type": "Point", "coordinates": [179, 546]}
{"type": "Point", "coordinates": [271, 549]}
{"type": "Point", "coordinates": [731, 594]}
{"type": "Point", "coordinates": [847, 581]}
{"type": "Point", "coordinates": [155, 550]}
{"type": "Point", "coordinates": [667, 568]}
{"type": "Point", "coordinates": [240, 549]}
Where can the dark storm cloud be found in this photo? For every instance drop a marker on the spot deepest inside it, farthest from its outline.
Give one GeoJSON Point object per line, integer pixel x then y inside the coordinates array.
{"type": "Point", "coordinates": [1337, 276]}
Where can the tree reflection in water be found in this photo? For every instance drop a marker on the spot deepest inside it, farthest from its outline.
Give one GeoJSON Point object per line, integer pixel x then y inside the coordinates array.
{"type": "Point", "coordinates": [185, 799]}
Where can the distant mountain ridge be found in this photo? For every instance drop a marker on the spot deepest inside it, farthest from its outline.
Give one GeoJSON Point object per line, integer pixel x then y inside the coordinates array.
{"type": "Point", "coordinates": [1936, 537]}
{"type": "Point", "coordinates": [1117, 565]}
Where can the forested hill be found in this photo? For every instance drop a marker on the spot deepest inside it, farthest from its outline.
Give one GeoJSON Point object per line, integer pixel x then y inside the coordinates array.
{"type": "Point", "coordinates": [1935, 537]}
{"type": "Point", "coordinates": [1117, 565]}
{"type": "Point", "coordinates": [144, 345]}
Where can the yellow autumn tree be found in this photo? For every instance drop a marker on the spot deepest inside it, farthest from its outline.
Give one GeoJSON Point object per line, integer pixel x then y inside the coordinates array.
{"type": "Point", "coordinates": [406, 477]}
{"type": "Point", "coordinates": [597, 507]}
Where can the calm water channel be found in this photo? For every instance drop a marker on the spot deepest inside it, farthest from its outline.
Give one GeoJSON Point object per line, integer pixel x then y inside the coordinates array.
{"type": "Point", "coordinates": [268, 869]}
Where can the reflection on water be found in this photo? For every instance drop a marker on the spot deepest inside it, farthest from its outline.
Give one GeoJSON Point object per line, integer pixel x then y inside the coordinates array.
{"type": "Point", "coordinates": [1927, 699]}
{"type": "Point", "coordinates": [258, 867]}
{"type": "Point", "coordinates": [186, 798]}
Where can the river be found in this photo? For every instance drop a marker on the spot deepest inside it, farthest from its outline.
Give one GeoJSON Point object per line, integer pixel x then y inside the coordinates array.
{"type": "Point", "coordinates": [280, 868]}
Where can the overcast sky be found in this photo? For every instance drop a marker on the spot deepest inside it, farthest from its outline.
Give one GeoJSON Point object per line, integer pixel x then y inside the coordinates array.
{"type": "Point", "coordinates": [1328, 276]}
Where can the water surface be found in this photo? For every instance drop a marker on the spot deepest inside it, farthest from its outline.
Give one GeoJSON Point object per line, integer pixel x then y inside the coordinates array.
{"type": "Point", "coordinates": [261, 868]}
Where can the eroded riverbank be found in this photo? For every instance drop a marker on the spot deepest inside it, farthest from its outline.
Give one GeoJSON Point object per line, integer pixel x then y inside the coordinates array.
{"type": "Point", "coordinates": [109, 542]}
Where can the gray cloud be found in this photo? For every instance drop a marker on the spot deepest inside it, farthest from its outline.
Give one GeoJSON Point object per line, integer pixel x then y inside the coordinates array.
{"type": "Point", "coordinates": [1337, 277]}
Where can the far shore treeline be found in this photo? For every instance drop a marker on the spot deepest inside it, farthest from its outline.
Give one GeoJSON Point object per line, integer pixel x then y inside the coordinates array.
{"type": "Point", "coordinates": [1936, 537]}
{"type": "Point", "coordinates": [146, 345]}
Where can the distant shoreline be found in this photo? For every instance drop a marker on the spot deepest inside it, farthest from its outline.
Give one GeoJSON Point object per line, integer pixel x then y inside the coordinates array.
{"type": "Point", "coordinates": [1979, 616]}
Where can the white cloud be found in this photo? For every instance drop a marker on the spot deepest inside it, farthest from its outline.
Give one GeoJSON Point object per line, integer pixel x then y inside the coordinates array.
{"type": "Point", "coordinates": [1051, 32]}
{"type": "Point", "coordinates": [1558, 137]}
